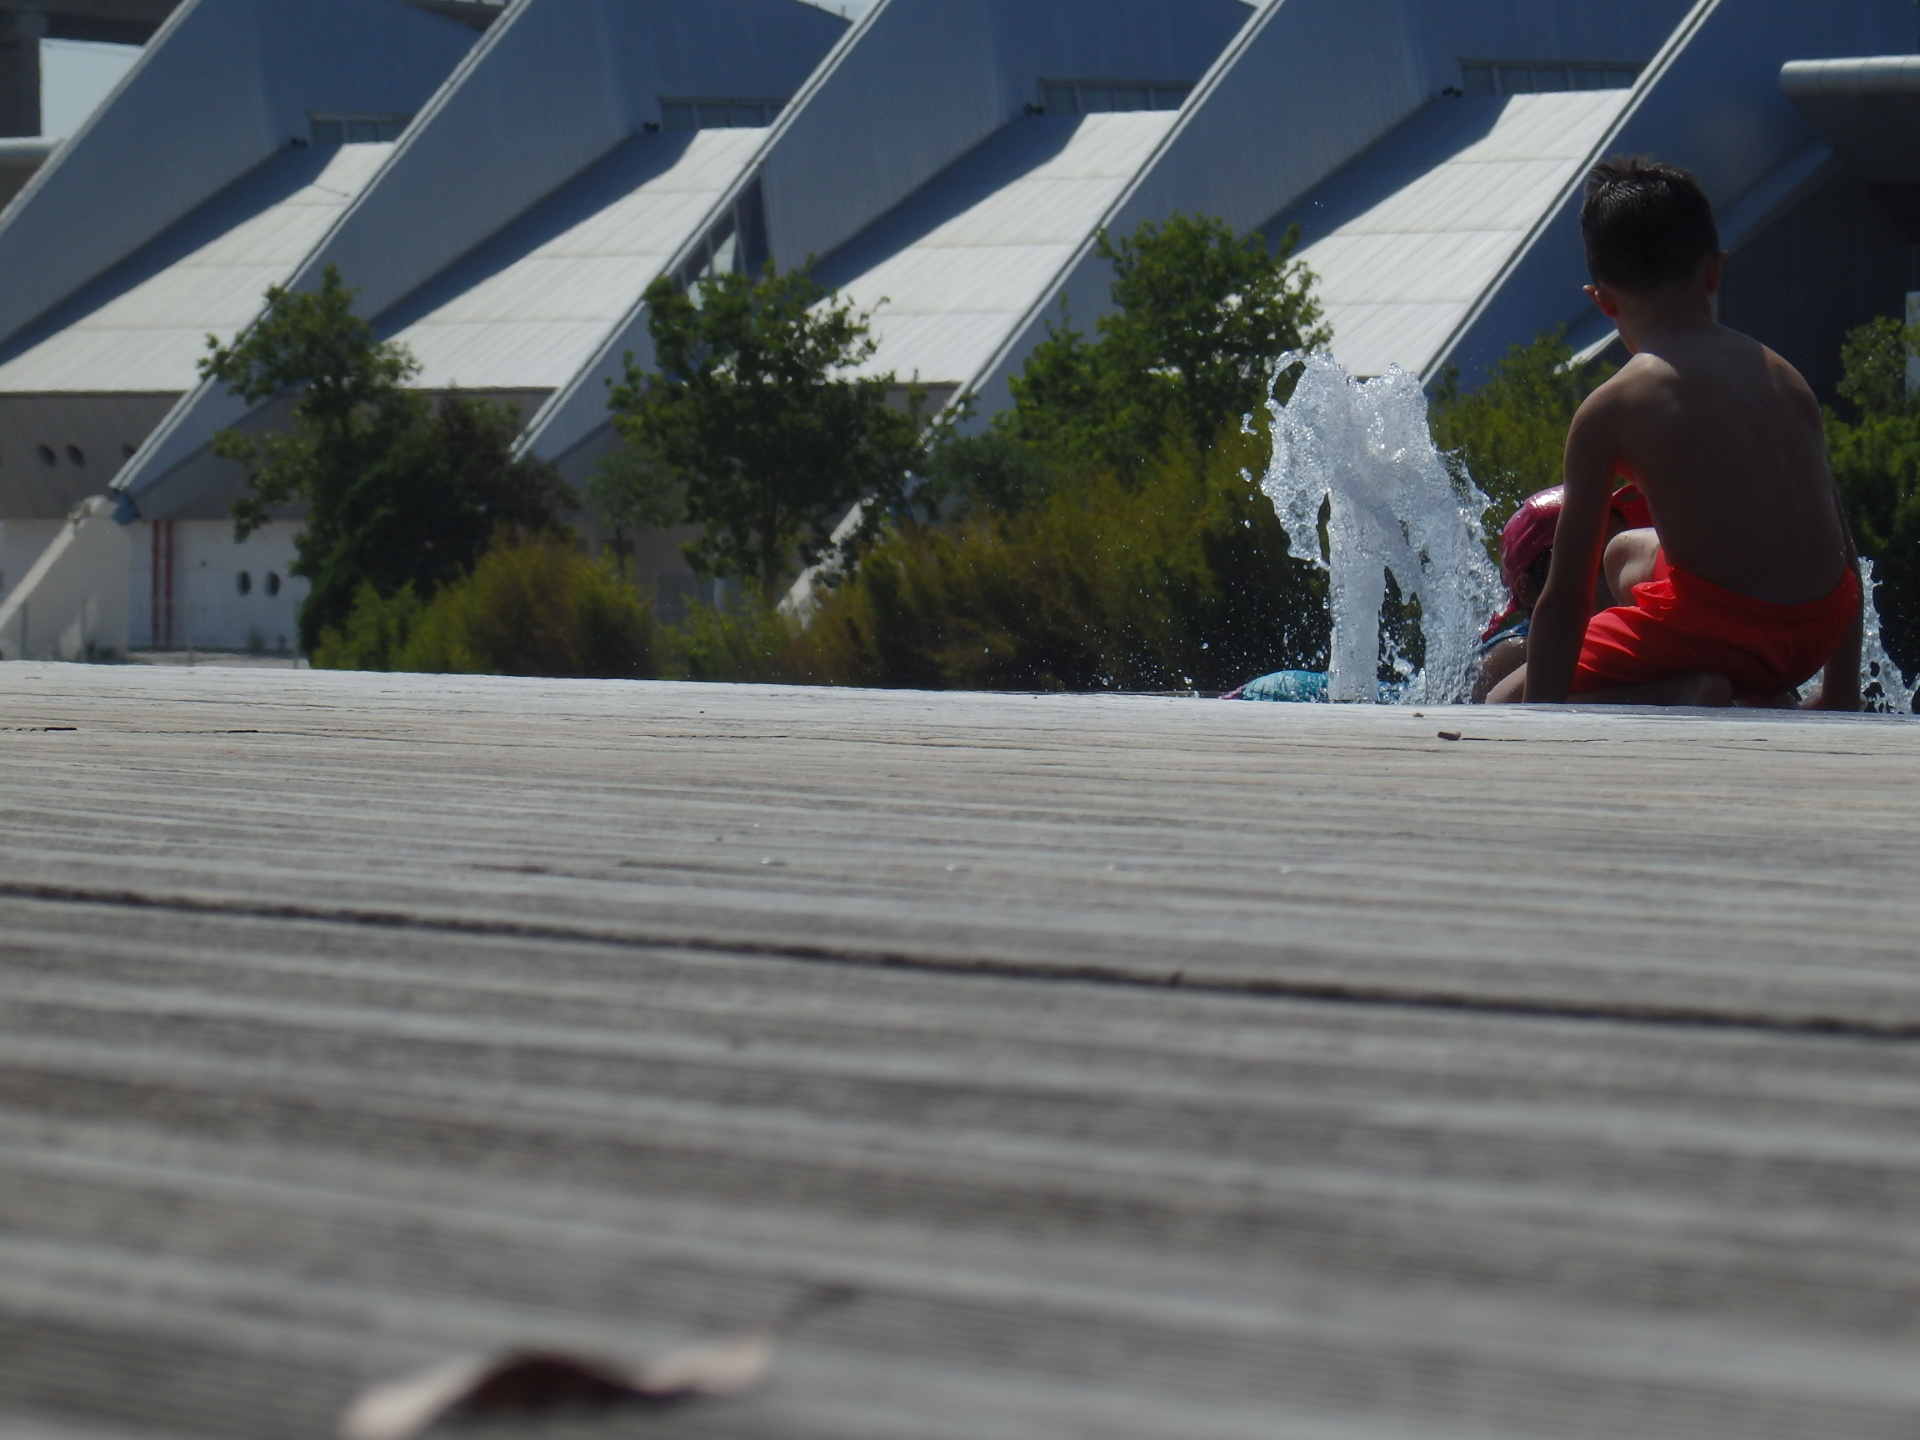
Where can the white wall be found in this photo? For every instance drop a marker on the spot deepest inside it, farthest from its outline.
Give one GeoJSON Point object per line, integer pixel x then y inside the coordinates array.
{"type": "Point", "coordinates": [71, 601]}
{"type": "Point", "coordinates": [209, 610]}
{"type": "Point", "coordinates": [21, 543]}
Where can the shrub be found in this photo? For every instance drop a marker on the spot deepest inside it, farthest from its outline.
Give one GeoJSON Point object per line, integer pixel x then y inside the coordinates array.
{"type": "Point", "coordinates": [1180, 580]}
{"type": "Point", "coordinates": [532, 606]}
{"type": "Point", "coordinates": [374, 631]}
{"type": "Point", "coordinates": [744, 640]}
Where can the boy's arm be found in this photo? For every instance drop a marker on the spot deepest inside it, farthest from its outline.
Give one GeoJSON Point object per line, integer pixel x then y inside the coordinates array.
{"type": "Point", "coordinates": [1840, 681]}
{"type": "Point", "coordinates": [1840, 684]}
{"type": "Point", "coordinates": [1565, 604]}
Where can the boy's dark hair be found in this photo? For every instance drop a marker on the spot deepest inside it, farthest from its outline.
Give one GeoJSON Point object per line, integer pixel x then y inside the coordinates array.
{"type": "Point", "coordinates": [1647, 225]}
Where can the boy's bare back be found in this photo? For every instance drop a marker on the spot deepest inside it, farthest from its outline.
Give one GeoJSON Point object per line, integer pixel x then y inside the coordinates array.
{"type": "Point", "coordinates": [1724, 439]}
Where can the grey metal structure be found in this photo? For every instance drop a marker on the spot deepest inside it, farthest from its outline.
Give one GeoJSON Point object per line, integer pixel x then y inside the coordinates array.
{"type": "Point", "coordinates": [895, 122]}
{"type": "Point", "coordinates": [117, 22]}
{"type": "Point", "coordinates": [532, 203]}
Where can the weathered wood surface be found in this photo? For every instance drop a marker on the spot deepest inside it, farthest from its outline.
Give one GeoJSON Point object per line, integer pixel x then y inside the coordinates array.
{"type": "Point", "coordinates": [1145, 1067]}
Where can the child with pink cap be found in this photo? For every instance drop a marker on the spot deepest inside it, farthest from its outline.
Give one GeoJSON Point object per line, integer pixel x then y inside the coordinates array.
{"type": "Point", "coordinates": [1526, 553]}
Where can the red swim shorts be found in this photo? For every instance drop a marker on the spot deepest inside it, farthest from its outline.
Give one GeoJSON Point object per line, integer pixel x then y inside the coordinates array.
{"type": "Point", "coordinates": [1680, 624]}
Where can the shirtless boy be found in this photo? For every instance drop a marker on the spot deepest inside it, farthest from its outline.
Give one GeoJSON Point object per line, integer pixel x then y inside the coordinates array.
{"type": "Point", "coordinates": [1746, 585]}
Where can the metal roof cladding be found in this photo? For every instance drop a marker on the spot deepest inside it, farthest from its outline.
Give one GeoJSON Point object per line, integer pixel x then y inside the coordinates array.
{"type": "Point", "coordinates": [1406, 239]}
{"type": "Point", "coordinates": [143, 326]}
{"type": "Point", "coordinates": [951, 271]}
{"type": "Point", "coordinates": [528, 308]}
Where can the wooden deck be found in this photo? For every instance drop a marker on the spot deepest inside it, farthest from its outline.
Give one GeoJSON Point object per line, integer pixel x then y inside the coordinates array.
{"type": "Point", "coordinates": [1149, 1068]}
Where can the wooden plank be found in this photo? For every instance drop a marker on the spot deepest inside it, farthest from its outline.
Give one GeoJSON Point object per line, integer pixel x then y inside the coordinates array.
{"type": "Point", "coordinates": [1559, 1081]}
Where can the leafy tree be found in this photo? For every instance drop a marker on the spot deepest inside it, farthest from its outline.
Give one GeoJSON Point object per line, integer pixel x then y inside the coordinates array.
{"type": "Point", "coordinates": [1875, 456]}
{"type": "Point", "coordinates": [982, 474]}
{"type": "Point", "coordinates": [398, 489]}
{"type": "Point", "coordinates": [1511, 433]}
{"type": "Point", "coordinates": [631, 491]}
{"type": "Point", "coordinates": [755, 416]}
{"type": "Point", "coordinates": [1200, 318]}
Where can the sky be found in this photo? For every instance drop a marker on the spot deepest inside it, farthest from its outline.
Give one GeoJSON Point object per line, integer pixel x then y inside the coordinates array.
{"type": "Point", "coordinates": [75, 76]}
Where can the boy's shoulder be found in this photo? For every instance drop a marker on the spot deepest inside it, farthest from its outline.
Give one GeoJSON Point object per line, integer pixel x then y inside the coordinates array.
{"type": "Point", "coordinates": [1645, 380]}
{"type": "Point", "coordinates": [1683, 377]}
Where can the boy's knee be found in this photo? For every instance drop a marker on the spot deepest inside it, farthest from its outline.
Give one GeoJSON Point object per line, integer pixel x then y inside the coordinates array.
{"type": "Point", "coordinates": [1629, 561]}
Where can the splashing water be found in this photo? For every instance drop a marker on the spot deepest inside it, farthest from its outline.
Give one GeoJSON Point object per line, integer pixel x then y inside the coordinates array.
{"type": "Point", "coordinates": [1882, 686]}
{"type": "Point", "coordinates": [1363, 448]}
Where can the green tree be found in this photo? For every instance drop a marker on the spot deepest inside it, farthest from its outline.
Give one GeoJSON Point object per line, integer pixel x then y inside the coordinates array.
{"type": "Point", "coordinates": [1873, 445]}
{"type": "Point", "coordinates": [631, 492]}
{"type": "Point", "coordinates": [1511, 432]}
{"type": "Point", "coordinates": [398, 489]}
{"type": "Point", "coordinates": [754, 415]}
{"type": "Point", "coordinates": [1200, 316]}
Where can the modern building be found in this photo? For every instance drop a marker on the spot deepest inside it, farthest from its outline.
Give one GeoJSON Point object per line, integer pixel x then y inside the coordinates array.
{"type": "Point", "coordinates": [204, 179]}
{"type": "Point", "coordinates": [947, 164]}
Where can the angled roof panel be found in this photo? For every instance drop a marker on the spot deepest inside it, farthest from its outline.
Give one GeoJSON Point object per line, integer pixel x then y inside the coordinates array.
{"type": "Point", "coordinates": [528, 200]}
{"type": "Point", "coordinates": [1304, 87]}
{"type": "Point", "coordinates": [1431, 215]}
{"type": "Point", "coordinates": [914, 123]}
{"type": "Point", "coordinates": [225, 85]}
{"type": "Point", "coordinates": [988, 237]}
{"type": "Point", "coordinates": [143, 325]}
{"type": "Point", "coordinates": [572, 266]}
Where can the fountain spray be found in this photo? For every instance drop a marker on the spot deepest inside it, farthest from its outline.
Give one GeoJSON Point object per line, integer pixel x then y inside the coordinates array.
{"type": "Point", "coordinates": [1363, 449]}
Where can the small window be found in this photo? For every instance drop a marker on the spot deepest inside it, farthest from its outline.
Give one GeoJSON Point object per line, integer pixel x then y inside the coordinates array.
{"type": "Point", "coordinates": [737, 243]}
{"type": "Point", "coordinates": [76, 456]}
{"type": "Point", "coordinates": [325, 130]}
{"type": "Point", "coordinates": [47, 457]}
{"type": "Point", "coordinates": [272, 587]}
{"type": "Point", "coordinates": [1514, 77]}
{"type": "Point", "coordinates": [243, 582]}
{"type": "Point", "coordinates": [1100, 97]}
{"type": "Point", "coordinates": [723, 112]}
